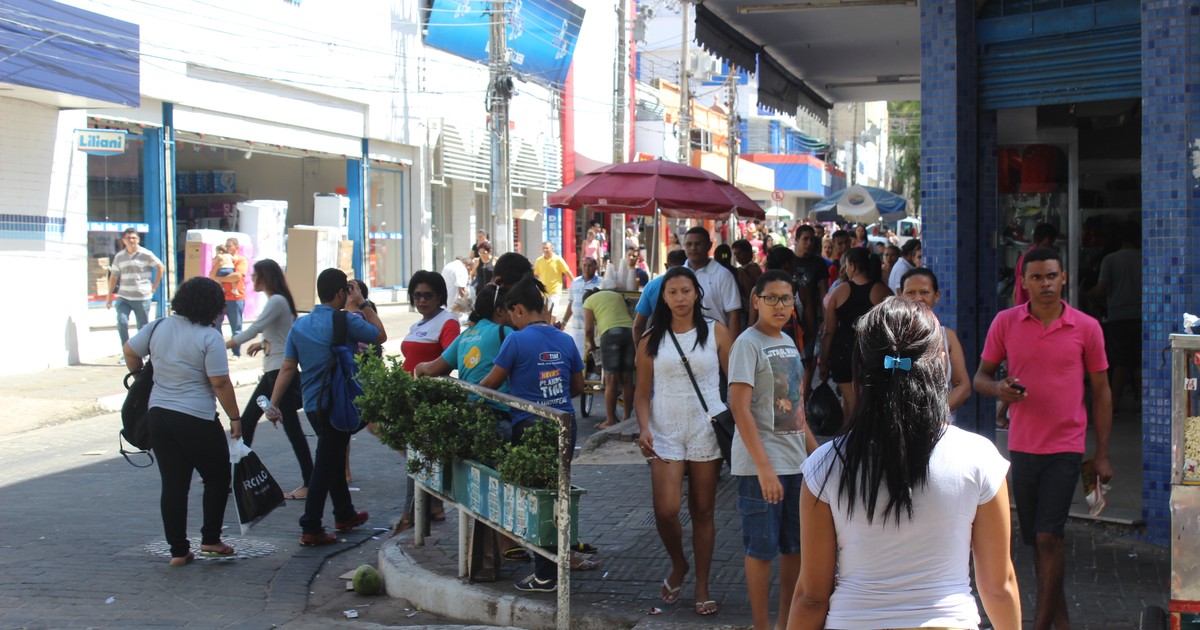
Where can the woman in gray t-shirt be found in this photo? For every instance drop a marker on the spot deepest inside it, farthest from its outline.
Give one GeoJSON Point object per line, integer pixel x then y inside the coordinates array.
{"type": "Point", "coordinates": [190, 368]}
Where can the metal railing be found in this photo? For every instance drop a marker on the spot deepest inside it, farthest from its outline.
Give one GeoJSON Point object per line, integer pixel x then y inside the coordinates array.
{"type": "Point", "coordinates": [562, 504]}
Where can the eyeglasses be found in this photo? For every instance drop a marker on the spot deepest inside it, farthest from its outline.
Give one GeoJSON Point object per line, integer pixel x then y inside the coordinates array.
{"type": "Point", "coordinates": [419, 296]}
{"type": "Point", "coordinates": [776, 300]}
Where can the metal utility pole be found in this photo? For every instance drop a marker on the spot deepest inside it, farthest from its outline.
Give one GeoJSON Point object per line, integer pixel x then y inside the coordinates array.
{"type": "Point", "coordinates": [500, 89]}
{"type": "Point", "coordinates": [732, 122]}
{"type": "Point", "coordinates": [620, 84]}
{"type": "Point", "coordinates": [685, 96]}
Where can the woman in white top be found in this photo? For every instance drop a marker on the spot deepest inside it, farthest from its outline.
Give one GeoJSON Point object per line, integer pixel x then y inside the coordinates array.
{"type": "Point", "coordinates": [893, 509]}
{"type": "Point", "coordinates": [676, 434]}
{"type": "Point", "coordinates": [274, 323]}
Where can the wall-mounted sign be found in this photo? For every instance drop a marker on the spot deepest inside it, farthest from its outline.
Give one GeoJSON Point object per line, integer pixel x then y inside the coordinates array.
{"type": "Point", "coordinates": [100, 141]}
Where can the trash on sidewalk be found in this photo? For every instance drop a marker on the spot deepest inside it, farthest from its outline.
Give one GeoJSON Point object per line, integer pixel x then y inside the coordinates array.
{"type": "Point", "coordinates": [110, 600]}
{"type": "Point", "coordinates": [350, 614]}
{"type": "Point", "coordinates": [654, 610]}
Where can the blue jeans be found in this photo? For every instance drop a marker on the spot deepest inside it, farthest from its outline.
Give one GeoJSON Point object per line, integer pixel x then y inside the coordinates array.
{"type": "Point", "coordinates": [140, 310]}
{"type": "Point", "coordinates": [328, 477]}
{"type": "Point", "coordinates": [233, 311]}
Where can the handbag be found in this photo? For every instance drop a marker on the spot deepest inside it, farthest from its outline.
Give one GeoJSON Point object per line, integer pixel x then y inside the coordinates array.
{"type": "Point", "coordinates": [134, 428]}
{"type": "Point", "coordinates": [722, 423]}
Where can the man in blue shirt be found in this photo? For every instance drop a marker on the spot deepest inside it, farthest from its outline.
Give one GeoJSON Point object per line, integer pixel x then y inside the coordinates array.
{"type": "Point", "coordinates": [308, 346]}
{"type": "Point", "coordinates": [646, 303]}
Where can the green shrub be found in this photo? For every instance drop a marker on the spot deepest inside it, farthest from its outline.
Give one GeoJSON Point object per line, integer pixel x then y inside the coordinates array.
{"type": "Point", "coordinates": [431, 416]}
{"type": "Point", "coordinates": [534, 462]}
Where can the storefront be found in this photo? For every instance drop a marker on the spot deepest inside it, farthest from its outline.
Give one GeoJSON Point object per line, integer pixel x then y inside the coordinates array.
{"type": "Point", "coordinates": [1084, 116]}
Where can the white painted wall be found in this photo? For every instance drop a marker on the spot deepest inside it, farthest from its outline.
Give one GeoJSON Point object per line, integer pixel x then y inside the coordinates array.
{"type": "Point", "coordinates": [42, 175]}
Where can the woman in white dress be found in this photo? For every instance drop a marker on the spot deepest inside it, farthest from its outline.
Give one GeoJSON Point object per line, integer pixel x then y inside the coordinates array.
{"type": "Point", "coordinates": [893, 510]}
{"type": "Point", "coordinates": [676, 434]}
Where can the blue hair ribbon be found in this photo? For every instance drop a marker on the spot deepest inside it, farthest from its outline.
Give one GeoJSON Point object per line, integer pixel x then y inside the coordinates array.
{"type": "Point", "coordinates": [892, 363]}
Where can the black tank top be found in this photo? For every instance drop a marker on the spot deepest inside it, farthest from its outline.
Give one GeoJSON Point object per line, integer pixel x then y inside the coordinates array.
{"type": "Point", "coordinates": [848, 313]}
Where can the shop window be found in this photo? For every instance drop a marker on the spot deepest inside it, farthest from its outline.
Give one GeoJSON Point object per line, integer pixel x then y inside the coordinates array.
{"type": "Point", "coordinates": [387, 259]}
{"type": "Point", "coordinates": [114, 202]}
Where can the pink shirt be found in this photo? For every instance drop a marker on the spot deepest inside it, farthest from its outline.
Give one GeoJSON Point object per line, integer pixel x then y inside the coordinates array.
{"type": "Point", "coordinates": [1052, 362]}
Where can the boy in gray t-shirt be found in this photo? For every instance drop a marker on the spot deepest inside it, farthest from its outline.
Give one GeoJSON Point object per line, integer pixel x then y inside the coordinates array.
{"type": "Point", "coordinates": [767, 455]}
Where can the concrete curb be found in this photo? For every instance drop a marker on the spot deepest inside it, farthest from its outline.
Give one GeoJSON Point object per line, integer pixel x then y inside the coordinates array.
{"type": "Point", "coordinates": [455, 599]}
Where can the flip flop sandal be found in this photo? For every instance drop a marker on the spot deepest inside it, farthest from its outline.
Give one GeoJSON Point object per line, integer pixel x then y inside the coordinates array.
{"type": "Point", "coordinates": [672, 594]}
{"type": "Point", "coordinates": [438, 515]}
{"type": "Point", "coordinates": [179, 561]}
{"type": "Point", "coordinates": [707, 608]}
{"type": "Point", "coordinates": [516, 554]}
{"type": "Point", "coordinates": [590, 565]}
{"type": "Point", "coordinates": [224, 551]}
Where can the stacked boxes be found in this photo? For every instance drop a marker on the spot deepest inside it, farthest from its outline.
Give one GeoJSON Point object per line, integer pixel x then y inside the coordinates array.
{"type": "Point", "coordinates": [98, 275]}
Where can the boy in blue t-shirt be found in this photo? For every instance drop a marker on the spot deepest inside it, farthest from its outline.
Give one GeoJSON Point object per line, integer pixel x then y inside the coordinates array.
{"type": "Point", "coordinates": [543, 366]}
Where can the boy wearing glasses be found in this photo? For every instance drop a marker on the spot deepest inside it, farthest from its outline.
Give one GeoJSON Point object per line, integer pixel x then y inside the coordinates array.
{"type": "Point", "coordinates": [134, 277]}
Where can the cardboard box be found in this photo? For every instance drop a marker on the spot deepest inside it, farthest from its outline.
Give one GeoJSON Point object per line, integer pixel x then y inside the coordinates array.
{"type": "Point", "coordinates": [193, 259]}
{"type": "Point", "coordinates": [100, 285]}
{"type": "Point", "coordinates": [345, 257]}
{"type": "Point", "coordinates": [310, 250]}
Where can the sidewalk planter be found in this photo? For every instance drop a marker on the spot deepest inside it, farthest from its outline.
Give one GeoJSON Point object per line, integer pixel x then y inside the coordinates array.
{"type": "Point", "coordinates": [527, 513]}
{"type": "Point", "coordinates": [439, 479]}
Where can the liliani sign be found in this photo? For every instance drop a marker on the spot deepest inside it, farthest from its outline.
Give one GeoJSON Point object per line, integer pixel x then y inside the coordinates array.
{"type": "Point", "coordinates": [100, 141]}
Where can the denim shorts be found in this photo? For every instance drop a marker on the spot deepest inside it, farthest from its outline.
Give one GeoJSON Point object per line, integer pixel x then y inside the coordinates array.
{"type": "Point", "coordinates": [617, 353]}
{"type": "Point", "coordinates": [769, 529]}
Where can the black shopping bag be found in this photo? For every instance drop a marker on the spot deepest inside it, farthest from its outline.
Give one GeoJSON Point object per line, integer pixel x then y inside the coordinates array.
{"type": "Point", "coordinates": [255, 491]}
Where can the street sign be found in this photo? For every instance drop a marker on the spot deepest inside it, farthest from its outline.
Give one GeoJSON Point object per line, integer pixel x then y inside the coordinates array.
{"type": "Point", "coordinates": [777, 195]}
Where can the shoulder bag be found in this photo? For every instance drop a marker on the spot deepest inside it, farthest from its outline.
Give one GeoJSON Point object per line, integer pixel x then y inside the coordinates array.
{"type": "Point", "coordinates": [722, 423]}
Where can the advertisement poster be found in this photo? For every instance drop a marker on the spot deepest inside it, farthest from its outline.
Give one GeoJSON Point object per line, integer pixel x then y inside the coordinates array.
{"type": "Point", "coordinates": [541, 34]}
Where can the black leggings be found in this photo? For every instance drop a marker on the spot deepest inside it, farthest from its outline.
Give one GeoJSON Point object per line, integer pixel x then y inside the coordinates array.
{"type": "Point", "coordinates": [291, 402]}
{"type": "Point", "coordinates": [184, 443]}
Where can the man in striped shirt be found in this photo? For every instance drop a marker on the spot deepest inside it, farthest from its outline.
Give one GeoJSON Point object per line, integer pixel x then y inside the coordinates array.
{"type": "Point", "coordinates": [134, 276]}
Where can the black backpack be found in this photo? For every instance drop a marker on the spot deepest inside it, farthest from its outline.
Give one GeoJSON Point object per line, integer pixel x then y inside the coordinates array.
{"type": "Point", "coordinates": [134, 428]}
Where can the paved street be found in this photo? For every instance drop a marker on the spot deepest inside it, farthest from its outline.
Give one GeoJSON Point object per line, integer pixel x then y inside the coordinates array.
{"type": "Point", "coordinates": [78, 522]}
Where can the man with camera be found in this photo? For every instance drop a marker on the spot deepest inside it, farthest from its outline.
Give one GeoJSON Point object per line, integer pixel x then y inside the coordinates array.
{"type": "Point", "coordinates": [308, 347]}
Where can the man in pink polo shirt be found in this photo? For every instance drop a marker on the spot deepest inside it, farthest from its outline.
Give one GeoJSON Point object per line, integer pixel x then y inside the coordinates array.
{"type": "Point", "coordinates": [1050, 348]}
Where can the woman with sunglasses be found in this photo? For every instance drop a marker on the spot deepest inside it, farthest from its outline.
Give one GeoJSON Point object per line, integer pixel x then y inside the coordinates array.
{"type": "Point", "coordinates": [425, 341]}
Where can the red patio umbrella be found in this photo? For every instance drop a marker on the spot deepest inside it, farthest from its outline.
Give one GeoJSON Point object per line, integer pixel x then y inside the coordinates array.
{"type": "Point", "coordinates": [679, 191]}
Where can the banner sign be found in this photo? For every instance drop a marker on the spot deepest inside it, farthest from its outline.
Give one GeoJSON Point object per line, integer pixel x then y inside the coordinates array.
{"type": "Point", "coordinates": [541, 34]}
{"type": "Point", "coordinates": [100, 141]}
{"type": "Point", "coordinates": [554, 228]}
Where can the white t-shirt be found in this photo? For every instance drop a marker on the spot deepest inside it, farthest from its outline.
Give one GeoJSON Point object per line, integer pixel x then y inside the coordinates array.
{"type": "Point", "coordinates": [578, 288]}
{"type": "Point", "coordinates": [915, 574]}
{"type": "Point", "coordinates": [720, 290]}
{"type": "Point", "coordinates": [456, 275]}
{"type": "Point", "coordinates": [898, 270]}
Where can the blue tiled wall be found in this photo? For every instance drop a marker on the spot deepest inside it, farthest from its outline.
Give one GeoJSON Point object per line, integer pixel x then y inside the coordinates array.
{"type": "Point", "coordinates": [1171, 225]}
{"type": "Point", "coordinates": [951, 222]}
{"type": "Point", "coordinates": [30, 227]}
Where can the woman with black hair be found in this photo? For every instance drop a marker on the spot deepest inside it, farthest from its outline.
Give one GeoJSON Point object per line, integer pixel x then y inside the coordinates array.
{"type": "Point", "coordinates": [849, 301]}
{"type": "Point", "coordinates": [273, 324]}
{"type": "Point", "coordinates": [426, 340]}
{"type": "Point", "coordinates": [676, 434]}
{"type": "Point", "coordinates": [921, 285]}
{"type": "Point", "coordinates": [542, 365]}
{"type": "Point", "coordinates": [896, 506]}
{"type": "Point", "coordinates": [190, 369]}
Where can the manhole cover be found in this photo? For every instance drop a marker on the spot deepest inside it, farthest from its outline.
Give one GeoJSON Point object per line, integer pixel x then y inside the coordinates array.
{"type": "Point", "coordinates": [245, 547]}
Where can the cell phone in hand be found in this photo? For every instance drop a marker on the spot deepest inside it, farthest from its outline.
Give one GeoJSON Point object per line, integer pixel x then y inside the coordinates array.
{"type": "Point", "coordinates": [1018, 387]}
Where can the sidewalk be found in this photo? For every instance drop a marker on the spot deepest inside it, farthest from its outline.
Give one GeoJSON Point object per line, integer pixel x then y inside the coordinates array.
{"type": "Point", "coordinates": [1111, 575]}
